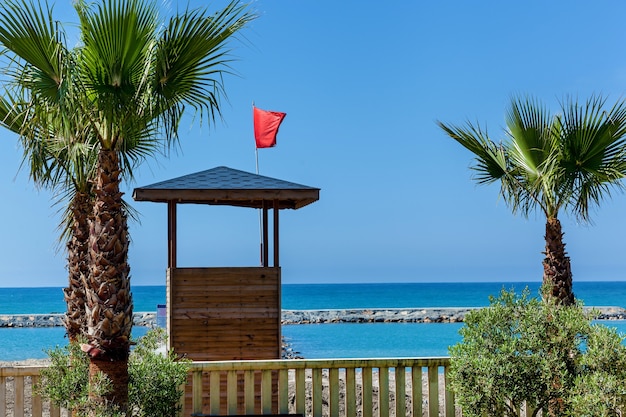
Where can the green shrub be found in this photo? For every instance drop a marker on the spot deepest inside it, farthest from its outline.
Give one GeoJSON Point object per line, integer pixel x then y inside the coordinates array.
{"type": "Point", "coordinates": [155, 380]}
{"type": "Point", "coordinates": [520, 349]}
{"type": "Point", "coordinates": [601, 389]}
{"type": "Point", "coordinates": [65, 381]}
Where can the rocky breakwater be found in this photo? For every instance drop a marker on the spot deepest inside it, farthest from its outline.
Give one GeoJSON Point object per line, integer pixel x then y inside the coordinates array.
{"type": "Point", "coordinates": [408, 315]}
{"type": "Point", "coordinates": [376, 315]}
{"type": "Point", "coordinates": [366, 315]}
{"type": "Point", "coordinates": [608, 313]}
{"type": "Point", "coordinates": [54, 320]}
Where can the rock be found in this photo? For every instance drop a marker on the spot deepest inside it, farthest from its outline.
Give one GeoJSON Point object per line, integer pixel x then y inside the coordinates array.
{"type": "Point", "coordinates": [381, 315]}
{"type": "Point", "coordinates": [56, 320]}
{"type": "Point", "coordinates": [407, 315]}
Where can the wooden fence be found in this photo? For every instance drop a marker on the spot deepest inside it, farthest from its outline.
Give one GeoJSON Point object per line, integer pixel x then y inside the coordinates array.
{"type": "Point", "coordinates": [325, 387]}
{"type": "Point", "coordinates": [16, 394]}
{"type": "Point", "coordinates": [330, 387]}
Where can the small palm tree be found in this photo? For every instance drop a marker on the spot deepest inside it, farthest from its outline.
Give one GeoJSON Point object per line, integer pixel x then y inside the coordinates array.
{"type": "Point", "coordinates": [69, 172]}
{"type": "Point", "coordinates": [128, 83]}
{"type": "Point", "coordinates": [57, 151]}
{"type": "Point", "coordinates": [60, 155]}
{"type": "Point", "coordinates": [568, 161]}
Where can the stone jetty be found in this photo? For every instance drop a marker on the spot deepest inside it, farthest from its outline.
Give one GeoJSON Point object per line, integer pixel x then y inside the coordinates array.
{"type": "Point", "coordinates": [368, 315]}
{"type": "Point", "coordinates": [376, 315]}
{"type": "Point", "coordinates": [55, 320]}
{"type": "Point", "coordinates": [407, 315]}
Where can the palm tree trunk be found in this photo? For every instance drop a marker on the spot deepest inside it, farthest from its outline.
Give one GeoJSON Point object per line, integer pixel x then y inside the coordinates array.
{"type": "Point", "coordinates": [78, 266]}
{"type": "Point", "coordinates": [557, 271]}
{"type": "Point", "coordinates": [109, 303]}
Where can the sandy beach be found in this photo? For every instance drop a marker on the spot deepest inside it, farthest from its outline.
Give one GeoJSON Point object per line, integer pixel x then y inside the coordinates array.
{"type": "Point", "coordinates": [26, 362]}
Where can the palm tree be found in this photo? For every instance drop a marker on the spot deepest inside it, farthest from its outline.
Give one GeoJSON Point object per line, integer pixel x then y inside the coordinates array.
{"type": "Point", "coordinates": [60, 155]}
{"type": "Point", "coordinates": [72, 184]}
{"type": "Point", "coordinates": [69, 172]}
{"type": "Point", "coordinates": [568, 161]}
{"type": "Point", "coordinates": [57, 153]}
{"type": "Point", "coordinates": [130, 80]}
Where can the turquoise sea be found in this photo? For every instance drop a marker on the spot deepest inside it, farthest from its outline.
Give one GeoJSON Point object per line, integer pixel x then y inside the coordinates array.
{"type": "Point", "coordinates": [317, 341]}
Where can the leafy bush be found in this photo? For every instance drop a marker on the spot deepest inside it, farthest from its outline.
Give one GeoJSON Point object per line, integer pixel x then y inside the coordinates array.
{"type": "Point", "coordinates": [65, 381]}
{"type": "Point", "coordinates": [520, 349]}
{"type": "Point", "coordinates": [601, 389]}
{"type": "Point", "coordinates": [155, 380]}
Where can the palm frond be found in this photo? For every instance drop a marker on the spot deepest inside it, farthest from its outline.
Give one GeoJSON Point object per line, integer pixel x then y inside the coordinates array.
{"type": "Point", "coordinates": [191, 59]}
{"type": "Point", "coordinates": [490, 158]}
{"type": "Point", "coordinates": [531, 143]}
{"type": "Point", "coordinates": [10, 116]}
{"type": "Point", "coordinates": [118, 38]}
{"type": "Point", "coordinates": [593, 149]}
{"type": "Point", "coordinates": [33, 38]}
{"type": "Point", "coordinates": [572, 160]}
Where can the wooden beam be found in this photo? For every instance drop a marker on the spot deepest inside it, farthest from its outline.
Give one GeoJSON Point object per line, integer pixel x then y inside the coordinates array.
{"type": "Point", "coordinates": [171, 234]}
{"type": "Point", "coordinates": [265, 238]}
{"type": "Point", "coordinates": [276, 237]}
{"type": "Point", "coordinates": [289, 199]}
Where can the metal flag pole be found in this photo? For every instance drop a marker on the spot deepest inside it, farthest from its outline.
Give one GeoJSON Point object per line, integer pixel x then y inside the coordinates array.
{"type": "Point", "coordinates": [262, 261]}
{"type": "Point", "coordinates": [256, 154]}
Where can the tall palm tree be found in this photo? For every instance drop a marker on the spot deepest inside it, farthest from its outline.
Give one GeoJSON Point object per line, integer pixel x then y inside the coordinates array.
{"type": "Point", "coordinates": [131, 78]}
{"type": "Point", "coordinates": [57, 153]}
{"type": "Point", "coordinates": [60, 154]}
{"type": "Point", "coordinates": [69, 173]}
{"type": "Point", "coordinates": [569, 161]}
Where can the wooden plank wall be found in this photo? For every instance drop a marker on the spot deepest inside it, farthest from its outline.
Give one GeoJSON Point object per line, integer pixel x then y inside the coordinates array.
{"type": "Point", "coordinates": [224, 314]}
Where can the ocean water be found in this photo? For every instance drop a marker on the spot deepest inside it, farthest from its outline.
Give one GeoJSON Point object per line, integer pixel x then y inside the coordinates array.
{"type": "Point", "coordinates": [339, 340]}
{"type": "Point", "coordinates": [409, 295]}
{"type": "Point", "coordinates": [47, 300]}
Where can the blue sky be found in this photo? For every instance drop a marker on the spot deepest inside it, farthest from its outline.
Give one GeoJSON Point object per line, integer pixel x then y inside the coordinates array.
{"type": "Point", "coordinates": [363, 84]}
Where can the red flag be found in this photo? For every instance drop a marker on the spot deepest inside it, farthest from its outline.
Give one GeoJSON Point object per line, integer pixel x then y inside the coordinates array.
{"type": "Point", "coordinates": [266, 124]}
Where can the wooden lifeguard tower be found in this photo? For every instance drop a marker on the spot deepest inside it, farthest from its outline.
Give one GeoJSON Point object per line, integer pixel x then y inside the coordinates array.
{"type": "Point", "coordinates": [226, 313]}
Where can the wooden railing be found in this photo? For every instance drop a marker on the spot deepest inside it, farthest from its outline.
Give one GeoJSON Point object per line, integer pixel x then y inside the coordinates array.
{"type": "Point", "coordinates": [334, 387]}
{"type": "Point", "coordinates": [16, 394]}
{"type": "Point", "coordinates": [329, 387]}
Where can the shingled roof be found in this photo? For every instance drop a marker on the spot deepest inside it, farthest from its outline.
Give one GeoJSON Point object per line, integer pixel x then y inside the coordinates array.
{"type": "Point", "coordinates": [228, 186]}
